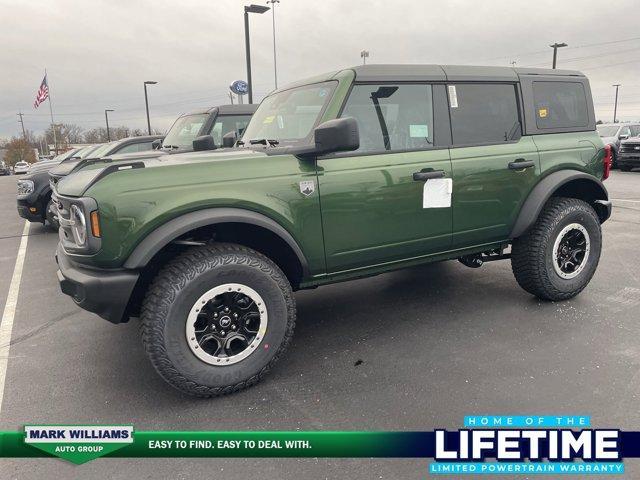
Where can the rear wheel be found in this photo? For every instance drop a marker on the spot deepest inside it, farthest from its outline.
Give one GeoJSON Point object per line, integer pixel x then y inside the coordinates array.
{"type": "Point", "coordinates": [216, 319]}
{"type": "Point", "coordinates": [557, 257]}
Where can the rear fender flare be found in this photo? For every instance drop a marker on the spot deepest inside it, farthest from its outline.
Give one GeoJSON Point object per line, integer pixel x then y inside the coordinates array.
{"type": "Point", "coordinates": [546, 188]}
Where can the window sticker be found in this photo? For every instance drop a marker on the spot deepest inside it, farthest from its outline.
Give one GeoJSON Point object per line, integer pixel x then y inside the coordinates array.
{"type": "Point", "coordinates": [543, 112]}
{"type": "Point", "coordinates": [437, 193]}
{"type": "Point", "coordinates": [419, 131]}
{"type": "Point", "coordinates": [453, 96]}
{"type": "Point", "coordinates": [269, 119]}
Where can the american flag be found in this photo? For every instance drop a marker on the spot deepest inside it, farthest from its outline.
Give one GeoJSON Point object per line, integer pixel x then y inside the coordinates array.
{"type": "Point", "coordinates": [43, 92]}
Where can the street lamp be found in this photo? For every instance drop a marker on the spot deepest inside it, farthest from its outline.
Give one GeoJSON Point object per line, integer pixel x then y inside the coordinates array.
{"type": "Point", "coordinates": [555, 47]}
{"type": "Point", "coordinates": [615, 106]}
{"type": "Point", "coordinates": [273, 16]}
{"type": "Point", "coordinates": [146, 102]}
{"type": "Point", "coordinates": [247, 10]}
{"type": "Point", "coordinates": [364, 54]}
{"type": "Point", "coordinates": [106, 119]}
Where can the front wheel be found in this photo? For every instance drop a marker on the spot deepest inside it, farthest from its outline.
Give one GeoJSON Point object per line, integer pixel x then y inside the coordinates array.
{"type": "Point", "coordinates": [216, 319]}
{"type": "Point", "coordinates": [557, 257]}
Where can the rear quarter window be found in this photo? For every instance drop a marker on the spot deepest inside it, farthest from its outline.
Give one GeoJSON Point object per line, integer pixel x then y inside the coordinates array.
{"type": "Point", "coordinates": [560, 105]}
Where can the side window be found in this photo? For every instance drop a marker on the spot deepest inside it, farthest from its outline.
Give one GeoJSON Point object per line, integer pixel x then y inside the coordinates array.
{"type": "Point", "coordinates": [635, 130]}
{"type": "Point", "coordinates": [229, 123]}
{"type": "Point", "coordinates": [483, 113]}
{"type": "Point", "coordinates": [560, 105]}
{"type": "Point", "coordinates": [392, 117]}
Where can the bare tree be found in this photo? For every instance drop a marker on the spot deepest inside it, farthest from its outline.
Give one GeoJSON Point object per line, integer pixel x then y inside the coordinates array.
{"type": "Point", "coordinates": [18, 150]}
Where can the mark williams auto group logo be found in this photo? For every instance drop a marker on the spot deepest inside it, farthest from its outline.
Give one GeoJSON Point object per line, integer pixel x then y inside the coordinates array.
{"type": "Point", "coordinates": [78, 444]}
{"type": "Point", "coordinates": [527, 445]}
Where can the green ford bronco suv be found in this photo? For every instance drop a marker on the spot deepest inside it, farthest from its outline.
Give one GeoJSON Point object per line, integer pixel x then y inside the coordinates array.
{"type": "Point", "coordinates": [341, 176]}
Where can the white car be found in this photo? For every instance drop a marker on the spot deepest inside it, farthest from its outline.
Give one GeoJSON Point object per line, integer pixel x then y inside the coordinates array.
{"type": "Point", "coordinates": [20, 168]}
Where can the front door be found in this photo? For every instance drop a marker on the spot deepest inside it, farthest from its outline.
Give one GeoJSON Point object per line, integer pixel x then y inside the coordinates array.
{"type": "Point", "coordinates": [494, 166]}
{"type": "Point", "coordinates": [372, 207]}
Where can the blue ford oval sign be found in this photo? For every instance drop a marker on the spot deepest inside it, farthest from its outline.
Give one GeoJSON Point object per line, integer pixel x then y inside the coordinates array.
{"type": "Point", "coordinates": [239, 87]}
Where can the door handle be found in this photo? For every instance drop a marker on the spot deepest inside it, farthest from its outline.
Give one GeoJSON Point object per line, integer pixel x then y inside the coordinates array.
{"type": "Point", "coordinates": [423, 176]}
{"type": "Point", "coordinates": [521, 163]}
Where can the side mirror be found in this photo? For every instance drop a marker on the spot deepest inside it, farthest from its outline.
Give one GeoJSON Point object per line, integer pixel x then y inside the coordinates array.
{"type": "Point", "coordinates": [203, 142]}
{"type": "Point", "coordinates": [229, 139]}
{"type": "Point", "coordinates": [156, 144]}
{"type": "Point", "coordinates": [338, 135]}
{"type": "Point", "coordinates": [623, 136]}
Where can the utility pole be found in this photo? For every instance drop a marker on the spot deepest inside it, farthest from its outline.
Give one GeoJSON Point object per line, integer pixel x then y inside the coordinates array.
{"type": "Point", "coordinates": [615, 106]}
{"type": "Point", "coordinates": [231, 97]}
{"type": "Point", "coordinates": [24, 134]}
{"type": "Point", "coordinates": [364, 54]}
{"type": "Point", "coordinates": [555, 47]}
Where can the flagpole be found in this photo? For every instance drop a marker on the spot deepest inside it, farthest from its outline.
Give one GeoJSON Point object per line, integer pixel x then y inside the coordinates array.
{"type": "Point", "coordinates": [53, 125]}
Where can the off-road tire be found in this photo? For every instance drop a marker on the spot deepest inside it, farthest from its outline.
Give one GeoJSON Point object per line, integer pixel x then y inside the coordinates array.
{"type": "Point", "coordinates": [178, 286]}
{"type": "Point", "coordinates": [532, 254]}
{"type": "Point", "coordinates": [50, 217]}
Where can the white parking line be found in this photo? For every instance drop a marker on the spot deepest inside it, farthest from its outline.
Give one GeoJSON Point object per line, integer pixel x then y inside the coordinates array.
{"type": "Point", "coordinates": [624, 200]}
{"type": "Point", "coordinates": [6, 325]}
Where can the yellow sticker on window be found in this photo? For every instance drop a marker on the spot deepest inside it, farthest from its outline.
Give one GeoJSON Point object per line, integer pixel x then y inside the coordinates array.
{"type": "Point", "coordinates": [542, 112]}
{"type": "Point", "coordinates": [268, 119]}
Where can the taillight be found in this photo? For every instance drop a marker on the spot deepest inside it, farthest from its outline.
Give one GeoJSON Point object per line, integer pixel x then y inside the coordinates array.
{"type": "Point", "coordinates": [608, 160]}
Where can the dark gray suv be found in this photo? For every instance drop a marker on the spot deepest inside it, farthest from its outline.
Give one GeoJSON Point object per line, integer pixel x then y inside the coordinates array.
{"type": "Point", "coordinates": [615, 133]}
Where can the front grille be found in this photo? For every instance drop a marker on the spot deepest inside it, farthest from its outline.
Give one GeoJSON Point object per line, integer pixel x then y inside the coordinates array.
{"type": "Point", "coordinates": [630, 148]}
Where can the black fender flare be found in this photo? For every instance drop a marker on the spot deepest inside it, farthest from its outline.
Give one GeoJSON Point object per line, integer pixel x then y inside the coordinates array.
{"type": "Point", "coordinates": [545, 189]}
{"type": "Point", "coordinates": [171, 230]}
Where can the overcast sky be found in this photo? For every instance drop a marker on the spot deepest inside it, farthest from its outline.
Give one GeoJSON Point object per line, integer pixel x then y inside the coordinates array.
{"type": "Point", "coordinates": [98, 53]}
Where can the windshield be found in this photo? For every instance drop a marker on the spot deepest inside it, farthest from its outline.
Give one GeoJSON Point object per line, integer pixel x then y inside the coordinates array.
{"type": "Point", "coordinates": [289, 116]}
{"type": "Point", "coordinates": [184, 131]}
{"type": "Point", "coordinates": [229, 123]}
{"type": "Point", "coordinates": [607, 130]}
{"type": "Point", "coordinates": [100, 151]}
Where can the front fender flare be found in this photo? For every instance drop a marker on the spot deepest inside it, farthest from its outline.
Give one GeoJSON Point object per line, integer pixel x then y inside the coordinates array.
{"type": "Point", "coordinates": [544, 190]}
{"type": "Point", "coordinates": [171, 230]}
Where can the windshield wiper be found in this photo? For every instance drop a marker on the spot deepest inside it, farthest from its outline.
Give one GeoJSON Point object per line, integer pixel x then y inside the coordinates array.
{"type": "Point", "coordinates": [265, 142]}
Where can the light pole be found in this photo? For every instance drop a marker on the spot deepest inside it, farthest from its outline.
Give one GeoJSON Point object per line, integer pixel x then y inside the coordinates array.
{"type": "Point", "coordinates": [555, 47]}
{"type": "Point", "coordinates": [615, 105]}
{"type": "Point", "coordinates": [364, 54]}
{"type": "Point", "coordinates": [146, 102]}
{"type": "Point", "coordinates": [247, 10]}
{"type": "Point", "coordinates": [273, 17]}
{"type": "Point", "coordinates": [106, 119]}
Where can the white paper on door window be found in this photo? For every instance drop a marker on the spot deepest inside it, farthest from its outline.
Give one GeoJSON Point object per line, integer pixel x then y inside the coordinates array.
{"type": "Point", "coordinates": [437, 193]}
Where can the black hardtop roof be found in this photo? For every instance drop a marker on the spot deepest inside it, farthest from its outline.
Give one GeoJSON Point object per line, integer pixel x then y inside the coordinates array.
{"type": "Point", "coordinates": [451, 73]}
{"type": "Point", "coordinates": [245, 109]}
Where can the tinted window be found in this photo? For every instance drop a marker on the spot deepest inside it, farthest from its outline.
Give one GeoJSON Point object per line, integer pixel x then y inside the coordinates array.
{"type": "Point", "coordinates": [483, 113]}
{"type": "Point", "coordinates": [560, 104]}
{"type": "Point", "coordinates": [635, 130]}
{"type": "Point", "coordinates": [229, 123]}
{"type": "Point", "coordinates": [392, 117]}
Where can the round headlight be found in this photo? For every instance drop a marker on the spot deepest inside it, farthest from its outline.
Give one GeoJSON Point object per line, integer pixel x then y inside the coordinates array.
{"type": "Point", "coordinates": [78, 225]}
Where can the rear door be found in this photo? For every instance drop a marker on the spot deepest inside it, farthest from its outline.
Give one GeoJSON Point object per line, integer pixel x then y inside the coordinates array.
{"type": "Point", "coordinates": [494, 166]}
{"type": "Point", "coordinates": [372, 207]}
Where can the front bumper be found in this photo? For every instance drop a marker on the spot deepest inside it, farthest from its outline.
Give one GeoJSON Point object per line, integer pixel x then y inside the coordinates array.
{"type": "Point", "coordinates": [24, 209]}
{"type": "Point", "coordinates": [626, 160]}
{"type": "Point", "coordinates": [104, 292]}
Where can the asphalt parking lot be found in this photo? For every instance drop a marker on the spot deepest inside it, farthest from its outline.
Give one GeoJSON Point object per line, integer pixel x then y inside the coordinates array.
{"type": "Point", "coordinates": [411, 350]}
